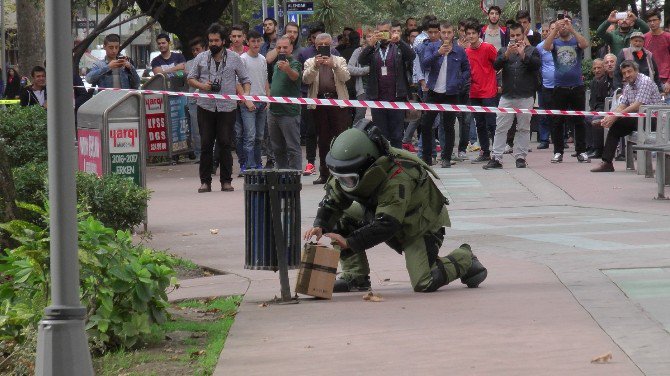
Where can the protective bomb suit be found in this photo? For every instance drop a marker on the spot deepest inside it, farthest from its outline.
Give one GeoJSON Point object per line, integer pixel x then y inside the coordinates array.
{"type": "Point", "coordinates": [377, 194]}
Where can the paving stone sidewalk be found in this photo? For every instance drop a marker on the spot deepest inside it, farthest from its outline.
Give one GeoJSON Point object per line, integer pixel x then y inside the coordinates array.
{"type": "Point", "coordinates": [579, 265]}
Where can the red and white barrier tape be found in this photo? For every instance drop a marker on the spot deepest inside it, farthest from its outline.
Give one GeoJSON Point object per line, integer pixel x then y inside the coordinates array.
{"type": "Point", "coordinates": [382, 104]}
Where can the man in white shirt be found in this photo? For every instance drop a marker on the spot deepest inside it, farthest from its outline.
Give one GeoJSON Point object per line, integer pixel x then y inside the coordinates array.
{"type": "Point", "coordinates": [254, 113]}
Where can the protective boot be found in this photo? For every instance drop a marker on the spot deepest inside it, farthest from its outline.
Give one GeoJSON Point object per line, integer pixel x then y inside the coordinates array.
{"type": "Point", "coordinates": [359, 283]}
{"type": "Point", "coordinates": [475, 275]}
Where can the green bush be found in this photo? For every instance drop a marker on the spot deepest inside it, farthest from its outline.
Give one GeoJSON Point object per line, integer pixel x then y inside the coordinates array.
{"type": "Point", "coordinates": [587, 72]}
{"type": "Point", "coordinates": [112, 199]}
{"type": "Point", "coordinates": [122, 285]}
{"type": "Point", "coordinates": [30, 181]}
{"type": "Point", "coordinates": [25, 132]}
{"type": "Point", "coordinates": [115, 201]}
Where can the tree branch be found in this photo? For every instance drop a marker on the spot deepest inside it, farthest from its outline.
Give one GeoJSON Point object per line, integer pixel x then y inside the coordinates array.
{"type": "Point", "coordinates": [136, 34]}
{"type": "Point", "coordinates": [118, 9]}
{"type": "Point", "coordinates": [124, 21]}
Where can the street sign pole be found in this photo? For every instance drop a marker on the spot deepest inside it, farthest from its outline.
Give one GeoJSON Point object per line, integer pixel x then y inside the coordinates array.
{"type": "Point", "coordinates": [280, 21]}
{"type": "Point", "coordinates": [2, 39]}
{"type": "Point", "coordinates": [586, 32]}
{"type": "Point", "coordinates": [62, 347]}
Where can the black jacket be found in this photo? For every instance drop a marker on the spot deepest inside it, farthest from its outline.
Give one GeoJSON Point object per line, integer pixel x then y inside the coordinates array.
{"type": "Point", "coordinates": [13, 89]}
{"type": "Point", "coordinates": [600, 89]}
{"type": "Point", "coordinates": [80, 93]}
{"type": "Point", "coordinates": [519, 77]}
{"type": "Point", "coordinates": [404, 57]}
{"type": "Point", "coordinates": [28, 97]}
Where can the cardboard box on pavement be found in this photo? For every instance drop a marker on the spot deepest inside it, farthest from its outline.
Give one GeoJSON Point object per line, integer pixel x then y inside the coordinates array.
{"type": "Point", "coordinates": [318, 267]}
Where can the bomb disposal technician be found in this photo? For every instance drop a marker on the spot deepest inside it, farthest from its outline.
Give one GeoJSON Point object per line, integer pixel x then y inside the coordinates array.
{"type": "Point", "coordinates": [377, 193]}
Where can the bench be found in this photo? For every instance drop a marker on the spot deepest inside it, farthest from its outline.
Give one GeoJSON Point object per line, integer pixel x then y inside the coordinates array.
{"type": "Point", "coordinates": [645, 135]}
{"type": "Point", "coordinates": [662, 165]}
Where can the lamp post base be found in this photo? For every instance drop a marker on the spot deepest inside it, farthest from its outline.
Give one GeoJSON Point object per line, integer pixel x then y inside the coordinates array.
{"type": "Point", "coordinates": [62, 348]}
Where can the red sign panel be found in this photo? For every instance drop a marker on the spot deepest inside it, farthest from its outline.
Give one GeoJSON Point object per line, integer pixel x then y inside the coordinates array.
{"type": "Point", "coordinates": [90, 155]}
{"type": "Point", "coordinates": [156, 130]}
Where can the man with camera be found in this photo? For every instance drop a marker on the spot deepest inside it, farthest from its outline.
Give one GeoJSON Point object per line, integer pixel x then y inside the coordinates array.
{"type": "Point", "coordinates": [387, 55]}
{"type": "Point", "coordinates": [519, 63]}
{"type": "Point", "coordinates": [326, 76]}
{"type": "Point", "coordinates": [217, 71]}
{"type": "Point", "coordinates": [115, 70]}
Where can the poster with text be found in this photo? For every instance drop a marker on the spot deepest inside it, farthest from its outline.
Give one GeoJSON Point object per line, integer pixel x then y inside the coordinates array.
{"type": "Point", "coordinates": [156, 127]}
{"type": "Point", "coordinates": [90, 154]}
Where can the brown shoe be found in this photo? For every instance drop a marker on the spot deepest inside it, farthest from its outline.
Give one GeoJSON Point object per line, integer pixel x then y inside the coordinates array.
{"type": "Point", "coordinates": [604, 167]}
{"type": "Point", "coordinates": [205, 187]}
{"type": "Point", "coordinates": [227, 187]}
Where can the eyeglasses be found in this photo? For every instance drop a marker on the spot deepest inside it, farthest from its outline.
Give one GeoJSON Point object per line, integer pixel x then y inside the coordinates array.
{"type": "Point", "coordinates": [346, 180]}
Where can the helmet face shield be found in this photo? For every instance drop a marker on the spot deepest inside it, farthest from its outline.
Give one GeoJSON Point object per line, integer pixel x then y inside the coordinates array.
{"type": "Point", "coordinates": [347, 181]}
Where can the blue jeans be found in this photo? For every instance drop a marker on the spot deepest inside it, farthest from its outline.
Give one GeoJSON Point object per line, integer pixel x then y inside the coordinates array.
{"type": "Point", "coordinates": [436, 124]}
{"type": "Point", "coordinates": [239, 137]}
{"type": "Point", "coordinates": [252, 133]}
{"type": "Point", "coordinates": [390, 123]}
{"type": "Point", "coordinates": [546, 103]}
{"type": "Point", "coordinates": [195, 131]}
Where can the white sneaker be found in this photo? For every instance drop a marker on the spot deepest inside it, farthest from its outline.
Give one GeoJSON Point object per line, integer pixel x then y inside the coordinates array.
{"type": "Point", "coordinates": [583, 158]}
{"type": "Point", "coordinates": [558, 158]}
{"type": "Point", "coordinates": [508, 149]}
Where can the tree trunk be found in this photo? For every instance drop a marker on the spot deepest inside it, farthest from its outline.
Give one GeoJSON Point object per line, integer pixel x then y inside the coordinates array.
{"type": "Point", "coordinates": [9, 210]}
{"type": "Point", "coordinates": [30, 34]}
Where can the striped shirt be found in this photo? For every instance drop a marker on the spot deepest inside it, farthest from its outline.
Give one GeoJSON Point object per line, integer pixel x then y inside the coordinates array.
{"type": "Point", "coordinates": [643, 90]}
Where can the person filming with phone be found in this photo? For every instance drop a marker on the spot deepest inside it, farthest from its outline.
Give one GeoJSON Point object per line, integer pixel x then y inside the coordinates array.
{"type": "Point", "coordinates": [115, 70]}
{"type": "Point", "coordinates": [387, 55]}
{"type": "Point", "coordinates": [326, 76]}
{"type": "Point", "coordinates": [450, 75]}
{"type": "Point", "coordinates": [284, 119]}
{"type": "Point", "coordinates": [626, 23]}
{"type": "Point", "coordinates": [519, 63]}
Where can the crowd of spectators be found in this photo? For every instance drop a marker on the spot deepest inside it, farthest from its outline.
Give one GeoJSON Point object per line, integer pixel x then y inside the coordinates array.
{"type": "Point", "coordinates": [491, 63]}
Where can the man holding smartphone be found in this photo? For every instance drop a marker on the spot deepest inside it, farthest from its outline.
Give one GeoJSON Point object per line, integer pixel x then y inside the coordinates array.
{"type": "Point", "coordinates": [387, 55]}
{"type": "Point", "coordinates": [567, 48]}
{"type": "Point", "coordinates": [519, 63]}
{"type": "Point", "coordinates": [326, 76]}
{"type": "Point", "coordinates": [450, 74]}
{"type": "Point", "coordinates": [114, 71]}
{"type": "Point", "coordinates": [626, 23]}
{"type": "Point", "coordinates": [284, 119]}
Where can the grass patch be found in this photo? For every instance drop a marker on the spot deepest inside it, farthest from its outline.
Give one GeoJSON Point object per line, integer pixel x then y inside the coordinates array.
{"type": "Point", "coordinates": [188, 344]}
